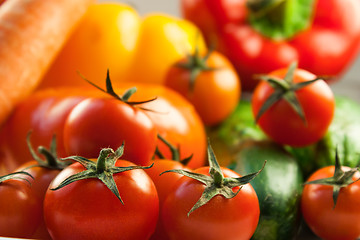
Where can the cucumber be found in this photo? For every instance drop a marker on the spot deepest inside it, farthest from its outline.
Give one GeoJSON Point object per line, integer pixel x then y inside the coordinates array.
{"type": "Point", "coordinates": [278, 187]}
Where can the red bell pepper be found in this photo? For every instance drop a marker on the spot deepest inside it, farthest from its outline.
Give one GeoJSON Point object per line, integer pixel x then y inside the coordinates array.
{"type": "Point", "coordinates": [259, 36]}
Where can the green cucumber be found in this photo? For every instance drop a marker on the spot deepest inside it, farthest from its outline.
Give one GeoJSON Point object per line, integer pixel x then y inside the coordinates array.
{"type": "Point", "coordinates": [278, 187]}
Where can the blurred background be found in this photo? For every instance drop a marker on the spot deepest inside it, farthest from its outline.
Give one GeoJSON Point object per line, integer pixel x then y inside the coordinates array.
{"type": "Point", "coordinates": [348, 86]}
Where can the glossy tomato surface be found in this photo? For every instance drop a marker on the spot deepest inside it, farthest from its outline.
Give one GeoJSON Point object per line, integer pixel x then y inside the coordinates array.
{"type": "Point", "coordinates": [97, 123]}
{"type": "Point", "coordinates": [175, 119]}
{"type": "Point", "coordinates": [42, 178]}
{"type": "Point", "coordinates": [164, 184]}
{"type": "Point", "coordinates": [20, 209]}
{"type": "Point", "coordinates": [44, 113]}
{"type": "Point", "coordinates": [325, 220]}
{"type": "Point", "coordinates": [87, 209]}
{"type": "Point", "coordinates": [281, 123]}
{"type": "Point", "coordinates": [220, 218]}
{"type": "Point", "coordinates": [214, 91]}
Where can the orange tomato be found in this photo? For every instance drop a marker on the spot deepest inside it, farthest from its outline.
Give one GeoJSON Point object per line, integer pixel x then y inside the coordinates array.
{"type": "Point", "coordinates": [209, 82]}
{"type": "Point", "coordinates": [175, 119]}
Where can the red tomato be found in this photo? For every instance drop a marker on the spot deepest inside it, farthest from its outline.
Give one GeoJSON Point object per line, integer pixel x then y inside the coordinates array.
{"type": "Point", "coordinates": [96, 123]}
{"type": "Point", "coordinates": [44, 113]}
{"type": "Point", "coordinates": [176, 120]}
{"type": "Point", "coordinates": [42, 178]}
{"type": "Point", "coordinates": [214, 90]}
{"type": "Point", "coordinates": [43, 171]}
{"type": "Point", "coordinates": [19, 209]}
{"type": "Point", "coordinates": [281, 123]}
{"type": "Point", "coordinates": [87, 209]}
{"type": "Point", "coordinates": [220, 218]}
{"type": "Point", "coordinates": [325, 220]}
{"type": "Point", "coordinates": [164, 184]}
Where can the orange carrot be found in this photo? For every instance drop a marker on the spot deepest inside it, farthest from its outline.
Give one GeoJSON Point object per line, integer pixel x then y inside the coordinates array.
{"type": "Point", "coordinates": [31, 34]}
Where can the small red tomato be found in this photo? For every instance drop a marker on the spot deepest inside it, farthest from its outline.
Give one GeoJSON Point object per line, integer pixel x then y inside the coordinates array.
{"type": "Point", "coordinates": [164, 183]}
{"type": "Point", "coordinates": [43, 171]}
{"type": "Point", "coordinates": [44, 113]}
{"type": "Point", "coordinates": [211, 203]}
{"type": "Point", "coordinates": [109, 198]}
{"type": "Point", "coordinates": [209, 82]}
{"type": "Point", "coordinates": [176, 120]}
{"type": "Point", "coordinates": [20, 209]}
{"type": "Point", "coordinates": [97, 123]}
{"type": "Point", "coordinates": [293, 107]}
{"type": "Point", "coordinates": [330, 203]}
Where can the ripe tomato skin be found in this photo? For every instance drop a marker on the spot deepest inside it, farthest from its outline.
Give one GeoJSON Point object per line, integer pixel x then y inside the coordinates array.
{"type": "Point", "coordinates": [164, 184]}
{"type": "Point", "coordinates": [217, 219]}
{"type": "Point", "coordinates": [19, 209]}
{"type": "Point", "coordinates": [215, 93]}
{"type": "Point", "coordinates": [42, 178]}
{"type": "Point", "coordinates": [176, 120]}
{"type": "Point", "coordinates": [44, 112]}
{"type": "Point", "coordinates": [105, 38]}
{"type": "Point", "coordinates": [281, 123]}
{"type": "Point", "coordinates": [317, 204]}
{"type": "Point", "coordinates": [96, 123]}
{"type": "Point", "coordinates": [87, 209]}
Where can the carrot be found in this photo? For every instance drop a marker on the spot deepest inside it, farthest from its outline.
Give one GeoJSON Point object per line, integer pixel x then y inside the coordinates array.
{"type": "Point", "coordinates": [31, 34]}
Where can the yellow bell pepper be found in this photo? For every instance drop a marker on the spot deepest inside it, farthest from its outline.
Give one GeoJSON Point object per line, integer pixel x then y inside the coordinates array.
{"type": "Point", "coordinates": [113, 36]}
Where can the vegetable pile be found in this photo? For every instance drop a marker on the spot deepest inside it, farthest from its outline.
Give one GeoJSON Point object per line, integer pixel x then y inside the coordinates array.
{"type": "Point", "coordinates": [221, 126]}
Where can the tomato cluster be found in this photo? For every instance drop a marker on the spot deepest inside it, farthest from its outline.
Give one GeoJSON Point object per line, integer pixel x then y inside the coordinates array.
{"type": "Point", "coordinates": [124, 200]}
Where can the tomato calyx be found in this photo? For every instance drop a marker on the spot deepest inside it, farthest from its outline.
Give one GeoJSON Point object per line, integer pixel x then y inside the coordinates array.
{"type": "Point", "coordinates": [15, 175]}
{"type": "Point", "coordinates": [196, 64]}
{"type": "Point", "coordinates": [284, 89]}
{"type": "Point", "coordinates": [216, 183]}
{"type": "Point", "coordinates": [280, 19]}
{"type": "Point", "coordinates": [103, 169]}
{"type": "Point", "coordinates": [339, 180]}
{"type": "Point", "coordinates": [51, 160]}
{"type": "Point", "coordinates": [175, 152]}
{"type": "Point", "coordinates": [125, 97]}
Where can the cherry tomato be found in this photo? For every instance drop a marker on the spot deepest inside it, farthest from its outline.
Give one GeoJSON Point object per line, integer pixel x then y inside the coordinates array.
{"type": "Point", "coordinates": [44, 112]}
{"type": "Point", "coordinates": [282, 123]}
{"type": "Point", "coordinates": [105, 38]}
{"type": "Point", "coordinates": [210, 83]}
{"type": "Point", "coordinates": [96, 123]}
{"type": "Point", "coordinates": [20, 209]}
{"type": "Point", "coordinates": [87, 209]}
{"type": "Point", "coordinates": [326, 220]}
{"type": "Point", "coordinates": [164, 184]}
{"type": "Point", "coordinates": [220, 218]}
{"type": "Point", "coordinates": [176, 120]}
{"type": "Point", "coordinates": [43, 170]}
